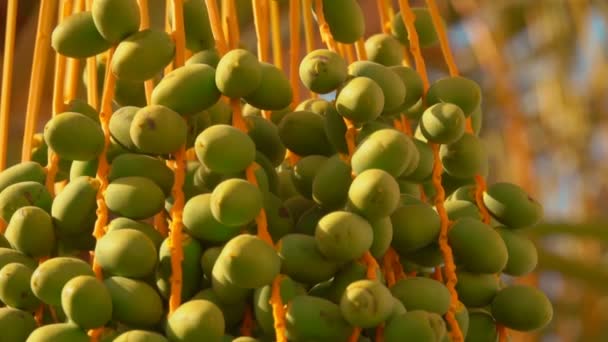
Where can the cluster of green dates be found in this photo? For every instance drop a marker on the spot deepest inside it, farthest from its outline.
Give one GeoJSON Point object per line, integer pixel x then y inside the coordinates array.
{"type": "Point", "coordinates": [323, 213]}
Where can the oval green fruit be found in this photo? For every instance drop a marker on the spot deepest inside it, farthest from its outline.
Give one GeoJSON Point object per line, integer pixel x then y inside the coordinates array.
{"type": "Point", "coordinates": [419, 293]}
{"type": "Point", "coordinates": [15, 290]}
{"type": "Point", "coordinates": [523, 256]}
{"type": "Point", "coordinates": [323, 71]}
{"type": "Point", "coordinates": [23, 194]}
{"type": "Point", "coordinates": [385, 149]}
{"type": "Point", "coordinates": [138, 165]}
{"type": "Point", "coordinates": [391, 84]}
{"type": "Point", "coordinates": [374, 194]}
{"type": "Point", "coordinates": [142, 55]}
{"type": "Point", "coordinates": [86, 302]}
{"type": "Point", "coordinates": [465, 157]}
{"type": "Point", "coordinates": [360, 100]}
{"type": "Point", "coordinates": [225, 149]}
{"type": "Point", "coordinates": [63, 130]}
{"type": "Point", "coordinates": [366, 303]}
{"type": "Point", "coordinates": [235, 202]}
{"type": "Point", "coordinates": [16, 325]}
{"type": "Point", "coordinates": [31, 232]}
{"type": "Point", "coordinates": [116, 19]}
{"type": "Point", "coordinates": [302, 261]}
{"type": "Point", "coordinates": [312, 318]}
{"type": "Point", "coordinates": [384, 49]}
{"type": "Point", "coordinates": [477, 246]}
{"type": "Point", "coordinates": [249, 262]}
{"type": "Point", "coordinates": [238, 73]}
{"type": "Point", "coordinates": [77, 37]}
{"type": "Point", "coordinates": [274, 91]}
{"type": "Point", "coordinates": [476, 290]}
{"type": "Point", "coordinates": [427, 36]}
{"type": "Point", "coordinates": [303, 133]}
{"type": "Point", "coordinates": [134, 302]}
{"type": "Point", "coordinates": [73, 209]}
{"type": "Point", "coordinates": [345, 20]}
{"type": "Point", "coordinates": [458, 90]}
{"type": "Point", "coordinates": [114, 253]}
{"type": "Point", "coordinates": [197, 320]}
{"type": "Point", "coordinates": [200, 223]}
{"type": "Point", "coordinates": [343, 236]}
{"type": "Point", "coordinates": [522, 308]}
{"type": "Point", "coordinates": [442, 123]}
{"type": "Point", "coordinates": [511, 205]}
{"type": "Point", "coordinates": [134, 197]}
{"type": "Point", "coordinates": [68, 332]}
{"type": "Point", "coordinates": [156, 129]}
{"type": "Point", "coordinates": [188, 89]}
{"type": "Point", "coordinates": [416, 324]}
{"type": "Point", "coordinates": [140, 336]}
{"type": "Point", "coordinates": [51, 276]}
{"type": "Point", "coordinates": [28, 171]}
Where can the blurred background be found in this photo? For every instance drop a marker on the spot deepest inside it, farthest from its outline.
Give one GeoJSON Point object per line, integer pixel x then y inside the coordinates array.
{"type": "Point", "coordinates": [543, 69]}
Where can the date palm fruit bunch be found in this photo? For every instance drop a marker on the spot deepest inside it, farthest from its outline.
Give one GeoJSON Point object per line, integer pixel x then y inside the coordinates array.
{"type": "Point", "coordinates": [161, 206]}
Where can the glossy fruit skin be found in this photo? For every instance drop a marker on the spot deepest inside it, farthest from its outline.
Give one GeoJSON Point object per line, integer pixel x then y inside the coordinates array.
{"type": "Point", "coordinates": [22, 172]}
{"type": "Point", "coordinates": [73, 209]}
{"type": "Point", "coordinates": [140, 336]}
{"type": "Point", "coordinates": [522, 307]}
{"type": "Point", "coordinates": [366, 303]}
{"type": "Point", "coordinates": [249, 262]}
{"type": "Point", "coordinates": [115, 254]}
{"type": "Point", "coordinates": [68, 332]}
{"type": "Point", "coordinates": [235, 202]}
{"type": "Point", "coordinates": [427, 36]}
{"type": "Point", "coordinates": [415, 225]}
{"type": "Point", "coordinates": [134, 197]}
{"type": "Point", "coordinates": [511, 205]}
{"type": "Point", "coordinates": [188, 89]}
{"type": "Point", "coordinates": [15, 288]}
{"type": "Point", "coordinates": [302, 261]}
{"type": "Point", "coordinates": [458, 90]}
{"type": "Point", "coordinates": [310, 318]}
{"type": "Point", "coordinates": [412, 83]}
{"type": "Point", "coordinates": [419, 293]}
{"type": "Point", "coordinates": [374, 194]}
{"type": "Point", "coordinates": [265, 135]}
{"type": "Point", "coordinates": [116, 19]}
{"type": "Point", "coordinates": [238, 73]}
{"type": "Point", "coordinates": [51, 276]}
{"type": "Point", "coordinates": [225, 149]}
{"type": "Point", "coordinates": [443, 123]}
{"type": "Point", "coordinates": [476, 289]}
{"type": "Point", "coordinates": [232, 312]}
{"type": "Point", "coordinates": [62, 130]}
{"type": "Point", "coordinates": [132, 164]}
{"type": "Point", "coordinates": [392, 86]}
{"type": "Point", "coordinates": [464, 158]}
{"type": "Point", "coordinates": [157, 129]}
{"type": "Point", "coordinates": [31, 232]}
{"type": "Point", "coordinates": [197, 320]}
{"type": "Point", "coordinates": [77, 37]}
{"type": "Point", "coordinates": [385, 149]}
{"type": "Point", "coordinates": [200, 223]}
{"type": "Point", "coordinates": [360, 100]}
{"type": "Point", "coordinates": [477, 246]}
{"type": "Point", "coordinates": [303, 133]}
{"type": "Point", "coordinates": [331, 183]}
{"type": "Point", "coordinates": [416, 324]}
{"type": "Point", "coordinates": [274, 91]}
{"type": "Point", "coordinates": [323, 71]}
{"type": "Point", "coordinates": [261, 305]}
{"type": "Point", "coordinates": [142, 55]}
{"type": "Point", "coordinates": [197, 26]}
{"type": "Point", "coordinates": [345, 19]}
{"type": "Point", "coordinates": [523, 256]}
{"type": "Point", "coordinates": [482, 327]}
{"type": "Point", "coordinates": [343, 236]}
{"type": "Point", "coordinates": [16, 324]}
{"type": "Point", "coordinates": [86, 302]}
{"type": "Point", "coordinates": [23, 194]}
{"type": "Point", "coordinates": [134, 302]}
{"type": "Point", "coordinates": [384, 49]}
